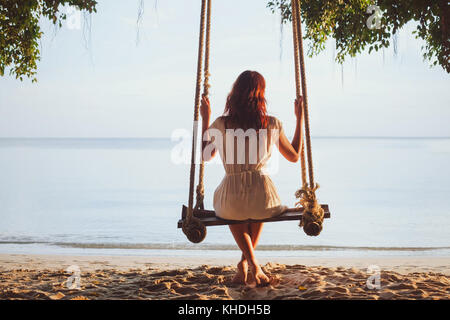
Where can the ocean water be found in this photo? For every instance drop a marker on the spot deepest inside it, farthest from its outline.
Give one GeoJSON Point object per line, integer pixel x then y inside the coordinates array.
{"type": "Point", "coordinates": [387, 196]}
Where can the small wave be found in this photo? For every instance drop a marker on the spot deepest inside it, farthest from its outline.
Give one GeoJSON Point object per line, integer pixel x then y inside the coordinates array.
{"type": "Point", "coordinates": [221, 247]}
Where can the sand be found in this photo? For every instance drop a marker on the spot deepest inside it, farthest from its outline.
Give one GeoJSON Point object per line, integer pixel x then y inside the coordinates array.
{"type": "Point", "coordinates": [133, 277]}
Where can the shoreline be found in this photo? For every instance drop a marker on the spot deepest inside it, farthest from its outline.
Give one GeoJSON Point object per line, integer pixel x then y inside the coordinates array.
{"type": "Point", "coordinates": [400, 264]}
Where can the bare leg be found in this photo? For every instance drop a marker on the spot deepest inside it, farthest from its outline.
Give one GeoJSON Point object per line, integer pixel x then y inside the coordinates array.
{"type": "Point", "coordinates": [255, 233]}
{"type": "Point", "coordinates": [254, 230]}
{"type": "Point", "coordinates": [242, 267]}
{"type": "Point", "coordinates": [238, 231]}
{"type": "Point", "coordinates": [246, 237]}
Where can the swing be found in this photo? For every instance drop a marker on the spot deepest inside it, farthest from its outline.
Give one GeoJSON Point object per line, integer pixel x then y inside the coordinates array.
{"type": "Point", "coordinates": [194, 218]}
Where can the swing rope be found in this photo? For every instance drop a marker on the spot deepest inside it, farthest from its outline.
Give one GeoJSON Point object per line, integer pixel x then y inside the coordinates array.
{"type": "Point", "coordinates": [200, 187]}
{"type": "Point", "coordinates": [313, 214]}
{"type": "Point", "coordinates": [192, 227]}
{"type": "Point", "coordinates": [298, 90]}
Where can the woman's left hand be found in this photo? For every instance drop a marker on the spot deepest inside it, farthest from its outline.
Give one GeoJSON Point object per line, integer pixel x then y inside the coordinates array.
{"type": "Point", "coordinates": [205, 108]}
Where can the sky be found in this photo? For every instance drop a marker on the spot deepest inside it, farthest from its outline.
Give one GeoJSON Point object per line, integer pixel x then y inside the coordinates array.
{"type": "Point", "coordinates": [107, 84]}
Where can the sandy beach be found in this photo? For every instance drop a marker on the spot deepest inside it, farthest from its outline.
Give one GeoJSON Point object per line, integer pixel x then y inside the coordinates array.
{"type": "Point", "coordinates": [138, 277]}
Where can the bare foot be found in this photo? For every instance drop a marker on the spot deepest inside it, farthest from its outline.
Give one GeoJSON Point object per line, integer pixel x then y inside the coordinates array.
{"type": "Point", "coordinates": [250, 278]}
{"type": "Point", "coordinates": [260, 277]}
{"type": "Point", "coordinates": [241, 273]}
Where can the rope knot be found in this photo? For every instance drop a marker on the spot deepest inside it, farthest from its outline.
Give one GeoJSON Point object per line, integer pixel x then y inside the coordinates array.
{"type": "Point", "coordinates": [200, 197]}
{"type": "Point", "coordinates": [313, 214]}
{"type": "Point", "coordinates": [194, 229]}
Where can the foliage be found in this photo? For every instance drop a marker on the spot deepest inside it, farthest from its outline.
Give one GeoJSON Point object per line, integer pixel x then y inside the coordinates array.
{"type": "Point", "coordinates": [345, 21]}
{"type": "Point", "coordinates": [20, 32]}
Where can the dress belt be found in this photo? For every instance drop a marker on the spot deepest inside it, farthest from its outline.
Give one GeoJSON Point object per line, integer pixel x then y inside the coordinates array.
{"type": "Point", "coordinates": [243, 172]}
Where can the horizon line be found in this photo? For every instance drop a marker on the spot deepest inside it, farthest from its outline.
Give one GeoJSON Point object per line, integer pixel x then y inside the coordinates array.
{"type": "Point", "coordinates": [169, 138]}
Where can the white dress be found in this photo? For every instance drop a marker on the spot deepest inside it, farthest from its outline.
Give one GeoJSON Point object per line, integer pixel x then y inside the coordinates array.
{"type": "Point", "coordinates": [246, 191]}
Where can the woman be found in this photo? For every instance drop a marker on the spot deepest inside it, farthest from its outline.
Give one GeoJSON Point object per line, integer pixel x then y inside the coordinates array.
{"type": "Point", "coordinates": [247, 192]}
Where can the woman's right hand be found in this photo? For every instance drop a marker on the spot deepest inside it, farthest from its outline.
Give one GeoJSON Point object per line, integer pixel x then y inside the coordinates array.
{"type": "Point", "coordinates": [205, 109]}
{"type": "Point", "coordinates": [299, 107]}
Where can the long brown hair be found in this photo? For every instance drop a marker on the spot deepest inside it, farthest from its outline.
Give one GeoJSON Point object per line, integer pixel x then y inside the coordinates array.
{"type": "Point", "coordinates": [246, 103]}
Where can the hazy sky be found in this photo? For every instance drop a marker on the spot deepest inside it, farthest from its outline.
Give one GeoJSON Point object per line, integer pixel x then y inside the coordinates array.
{"type": "Point", "coordinates": [116, 88]}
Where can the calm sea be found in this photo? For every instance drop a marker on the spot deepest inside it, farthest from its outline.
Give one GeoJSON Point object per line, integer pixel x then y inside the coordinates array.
{"type": "Point", "coordinates": [388, 196]}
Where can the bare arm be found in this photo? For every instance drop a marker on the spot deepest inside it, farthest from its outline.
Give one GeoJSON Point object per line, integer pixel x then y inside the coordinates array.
{"type": "Point", "coordinates": [291, 150]}
{"type": "Point", "coordinates": [205, 113]}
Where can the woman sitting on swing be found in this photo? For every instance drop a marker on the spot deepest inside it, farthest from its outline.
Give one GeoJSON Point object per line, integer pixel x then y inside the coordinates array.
{"type": "Point", "coordinates": [246, 191]}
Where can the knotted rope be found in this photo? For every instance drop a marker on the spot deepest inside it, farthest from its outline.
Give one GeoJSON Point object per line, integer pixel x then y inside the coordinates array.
{"type": "Point", "coordinates": [192, 227]}
{"type": "Point", "coordinates": [313, 214]}
{"type": "Point", "coordinates": [200, 187]}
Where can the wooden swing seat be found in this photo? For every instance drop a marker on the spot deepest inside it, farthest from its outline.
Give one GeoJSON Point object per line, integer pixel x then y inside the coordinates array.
{"type": "Point", "coordinates": [209, 218]}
